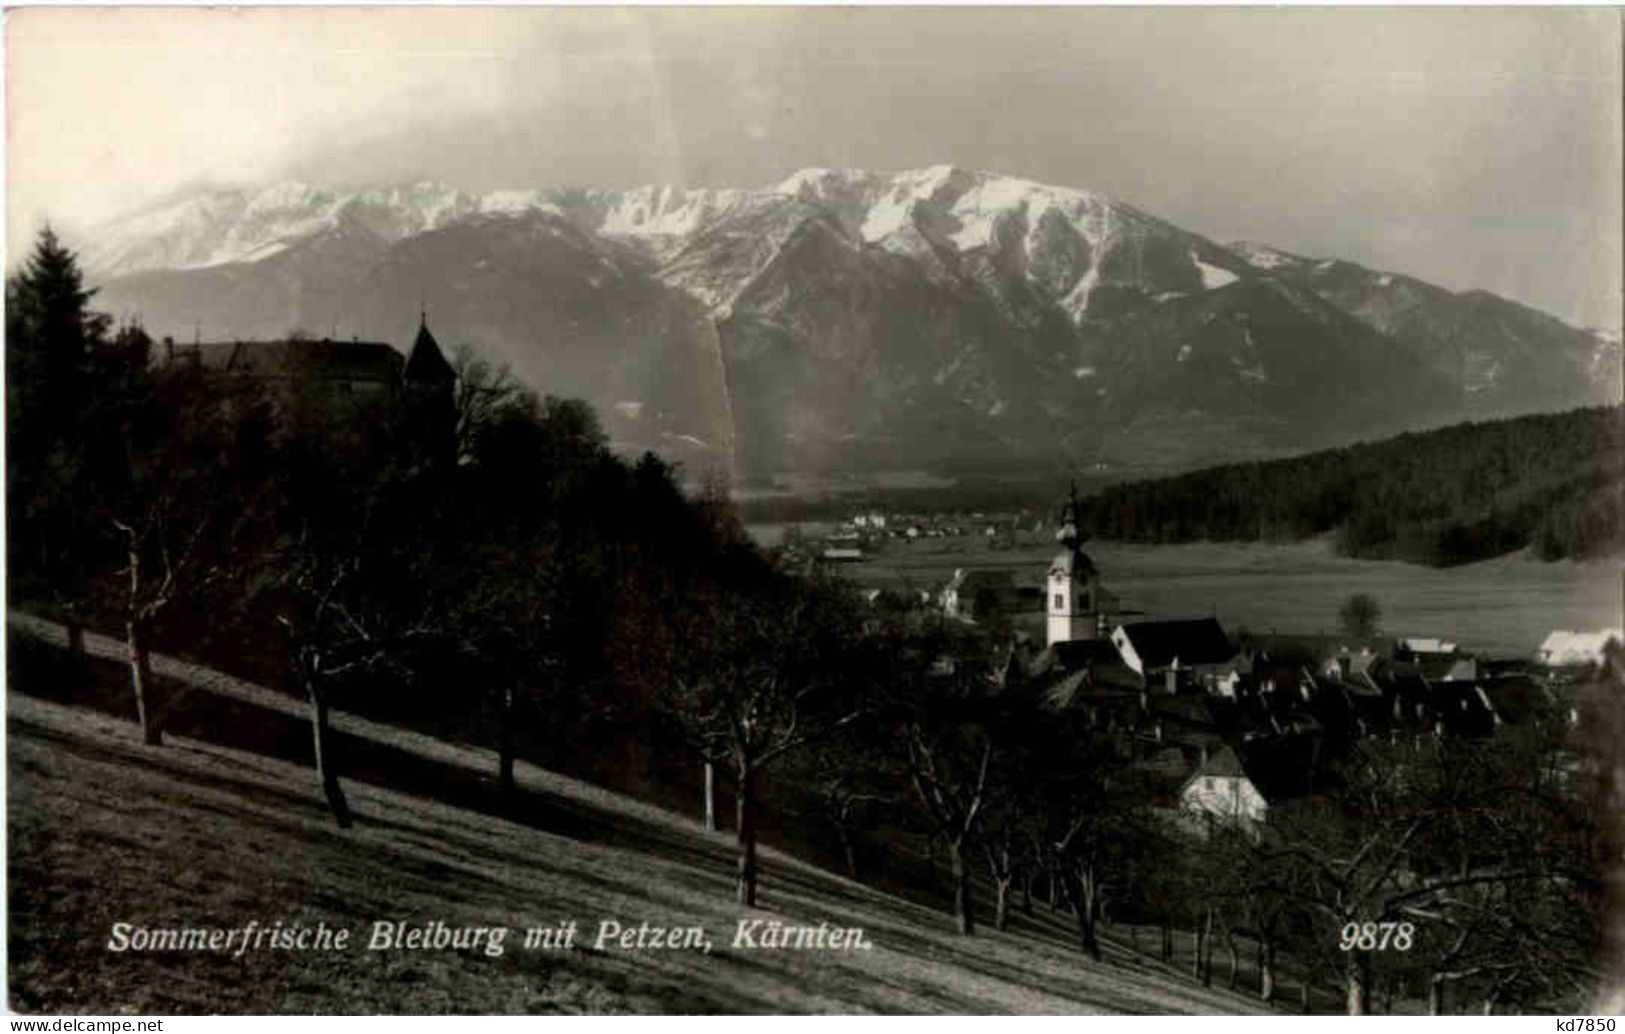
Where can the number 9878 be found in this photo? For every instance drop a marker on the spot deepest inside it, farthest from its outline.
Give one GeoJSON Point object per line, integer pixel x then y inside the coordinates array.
{"type": "Point", "coordinates": [1377, 937]}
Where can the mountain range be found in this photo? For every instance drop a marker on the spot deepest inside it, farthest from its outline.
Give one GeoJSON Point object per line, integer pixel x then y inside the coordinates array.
{"type": "Point", "coordinates": [851, 320]}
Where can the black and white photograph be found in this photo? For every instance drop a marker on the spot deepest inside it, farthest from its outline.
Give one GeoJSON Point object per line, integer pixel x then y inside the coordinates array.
{"type": "Point", "coordinates": [771, 510]}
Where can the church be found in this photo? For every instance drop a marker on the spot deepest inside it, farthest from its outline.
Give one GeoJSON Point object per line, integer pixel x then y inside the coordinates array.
{"type": "Point", "coordinates": [1174, 655]}
{"type": "Point", "coordinates": [1076, 605]}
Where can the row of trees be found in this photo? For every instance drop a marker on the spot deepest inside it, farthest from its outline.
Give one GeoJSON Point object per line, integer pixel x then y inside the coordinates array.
{"type": "Point", "coordinates": [1441, 497]}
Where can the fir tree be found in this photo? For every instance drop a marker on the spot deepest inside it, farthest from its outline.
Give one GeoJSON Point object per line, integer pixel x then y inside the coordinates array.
{"type": "Point", "coordinates": [52, 340]}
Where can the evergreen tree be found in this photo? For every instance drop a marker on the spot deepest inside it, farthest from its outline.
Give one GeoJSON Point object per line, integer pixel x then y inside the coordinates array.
{"type": "Point", "coordinates": [51, 336]}
{"type": "Point", "coordinates": [52, 339]}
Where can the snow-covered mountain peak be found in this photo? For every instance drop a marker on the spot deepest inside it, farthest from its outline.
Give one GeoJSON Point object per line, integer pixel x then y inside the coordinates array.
{"type": "Point", "coordinates": [238, 224]}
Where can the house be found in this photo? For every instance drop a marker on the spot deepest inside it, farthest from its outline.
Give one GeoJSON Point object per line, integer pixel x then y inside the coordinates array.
{"type": "Point", "coordinates": [1176, 654]}
{"type": "Point", "coordinates": [1353, 707]}
{"type": "Point", "coordinates": [978, 594]}
{"type": "Point", "coordinates": [1407, 649]}
{"type": "Point", "coordinates": [1517, 700]}
{"type": "Point", "coordinates": [1156, 781]}
{"type": "Point", "coordinates": [1565, 649]}
{"type": "Point", "coordinates": [841, 555]}
{"type": "Point", "coordinates": [1462, 669]}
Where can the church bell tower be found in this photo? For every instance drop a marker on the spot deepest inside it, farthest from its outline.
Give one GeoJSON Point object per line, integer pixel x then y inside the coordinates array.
{"type": "Point", "coordinates": [1072, 594]}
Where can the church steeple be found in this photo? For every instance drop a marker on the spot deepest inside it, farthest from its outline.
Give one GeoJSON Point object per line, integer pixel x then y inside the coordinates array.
{"type": "Point", "coordinates": [1072, 590]}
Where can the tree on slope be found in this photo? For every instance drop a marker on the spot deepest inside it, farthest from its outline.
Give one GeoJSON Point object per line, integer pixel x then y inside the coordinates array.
{"type": "Point", "coordinates": [52, 338]}
{"type": "Point", "coordinates": [763, 672]}
{"type": "Point", "coordinates": [951, 735]}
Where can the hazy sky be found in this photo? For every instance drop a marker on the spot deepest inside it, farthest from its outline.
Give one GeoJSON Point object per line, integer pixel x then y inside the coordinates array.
{"type": "Point", "coordinates": [1472, 147]}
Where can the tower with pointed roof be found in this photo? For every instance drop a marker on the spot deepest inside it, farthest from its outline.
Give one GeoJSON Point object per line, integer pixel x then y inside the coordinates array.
{"type": "Point", "coordinates": [1074, 601]}
{"type": "Point", "coordinates": [426, 365]}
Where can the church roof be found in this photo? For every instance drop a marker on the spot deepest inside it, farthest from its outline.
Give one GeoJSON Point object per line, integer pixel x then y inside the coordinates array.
{"type": "Point", "coordinates": [1158, 643]}
{"type": "Point", "coordinates": [427, 364]}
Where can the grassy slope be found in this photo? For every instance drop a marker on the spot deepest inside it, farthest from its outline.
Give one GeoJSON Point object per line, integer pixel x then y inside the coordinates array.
{"type": "Point", "coordinates": [103, 830]}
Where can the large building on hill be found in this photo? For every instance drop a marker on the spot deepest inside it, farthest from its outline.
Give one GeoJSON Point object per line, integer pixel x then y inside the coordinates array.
{"type": "Point", "coordinates": [354, 371]}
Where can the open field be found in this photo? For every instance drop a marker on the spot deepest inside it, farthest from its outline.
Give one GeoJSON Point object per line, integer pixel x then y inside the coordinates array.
{"type": "Point", "coordinates": [102, 830]}
{"type": "Point", "coordinates": [1505, 605]}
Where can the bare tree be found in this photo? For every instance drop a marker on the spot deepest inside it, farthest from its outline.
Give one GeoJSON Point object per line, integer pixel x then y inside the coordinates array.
{"type": "Point", "coordinates": [194, 485]}
{"type": "Point", "coordinates": [761, 675]}
{"type": "Point", "coordinates": [948, 768]}
{"type": "Point", "coordinates": [950, 729]}
{"type": "Point", "coordinates": [484, 393]}
{"type": "Point", "coordinates": [350, 626]}
{"type": "Point", "coordinates": [850, 785]}
{"type": "Point", "coordinates": [1430, 834]}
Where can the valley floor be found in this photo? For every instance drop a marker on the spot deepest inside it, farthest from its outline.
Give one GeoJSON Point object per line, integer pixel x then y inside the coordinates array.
{"type": "Point", "coordinates": [1505, 606]}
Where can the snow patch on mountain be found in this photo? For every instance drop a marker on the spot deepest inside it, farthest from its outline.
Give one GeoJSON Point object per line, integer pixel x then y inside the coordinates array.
{"type": "Point", "coordinates": [1076, 301]}
{"type": "Point", "coordinates": [1253, 373]}
{"type": "Point", "coordinates": [662, 211]}
{"type": "Point", "coordinates": [517, 202]}
{"type": "Point", "coordinates": [1261, 256]}
{"type": "Point", "coordinates": [1213, 277]}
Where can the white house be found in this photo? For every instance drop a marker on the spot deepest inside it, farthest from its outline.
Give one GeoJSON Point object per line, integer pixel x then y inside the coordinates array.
{"type": "Point", "coordinates": [1563, 648]}
{"type": "Point", "coordinates": [1220, 789]}
{"type": "Point", "coordinates": [1429, 646]}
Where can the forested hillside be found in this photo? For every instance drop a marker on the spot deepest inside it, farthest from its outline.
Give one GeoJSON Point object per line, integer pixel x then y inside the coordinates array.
{"type": "Point", "coordinates": [1450, 496]}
